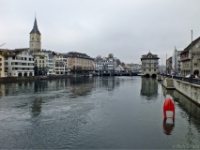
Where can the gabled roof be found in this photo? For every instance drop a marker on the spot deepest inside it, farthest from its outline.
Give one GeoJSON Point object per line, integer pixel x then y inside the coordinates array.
{"type": "Point", "coordinates": [150, 56]}
{"type": "Point", "coordinates": [190, 45]}
{"type": "Point", "coordinates": [35, 28]}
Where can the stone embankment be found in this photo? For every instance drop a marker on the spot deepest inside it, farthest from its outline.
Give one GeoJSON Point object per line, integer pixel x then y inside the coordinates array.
{"type": "Point", "coordinates": [188, 89]}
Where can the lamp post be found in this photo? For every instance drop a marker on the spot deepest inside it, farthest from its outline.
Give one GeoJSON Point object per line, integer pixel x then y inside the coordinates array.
{"type": "Point", "coordinates": [191, 62]}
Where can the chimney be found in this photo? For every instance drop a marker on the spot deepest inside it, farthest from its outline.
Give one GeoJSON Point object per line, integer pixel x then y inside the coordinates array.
{"type": "Point", "coordinates": [191, 35]}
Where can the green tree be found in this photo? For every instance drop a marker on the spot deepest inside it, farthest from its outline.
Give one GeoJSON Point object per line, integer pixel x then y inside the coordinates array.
{"type": "Point", "coordinates": [110, 55]}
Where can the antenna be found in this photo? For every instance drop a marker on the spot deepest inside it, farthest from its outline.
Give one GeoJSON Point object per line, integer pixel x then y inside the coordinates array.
{"type": "Point", "coordinates": [2, 44]}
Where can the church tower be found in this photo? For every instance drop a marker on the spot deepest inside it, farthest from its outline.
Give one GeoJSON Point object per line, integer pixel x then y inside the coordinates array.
{"type": "Point", "coordinates": [35, 38]}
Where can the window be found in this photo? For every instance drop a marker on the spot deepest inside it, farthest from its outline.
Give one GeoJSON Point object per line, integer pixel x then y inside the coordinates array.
{"type": "Point", "coordinates": [0, 59]}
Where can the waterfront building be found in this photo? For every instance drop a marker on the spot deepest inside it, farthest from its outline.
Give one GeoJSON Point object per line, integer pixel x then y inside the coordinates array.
{"type": "Point", "coordinates": [128, 67]}
{"type": "Point", "coordinates": [18, 62]}
{"type": "Point", "coordinates": [134, 68]}
{"type": "Point", "coordinates": [149, 64]}
{"type": "Point", "coordinates": [105, 65]}
{"type": "Point", "coordinates": [79, 62]}
{"type": "Point", "coordinates": [49, 62]}
{"type": "Point", "coordinates": [190, 58]}
{"type": "Point", "coordinates": [169, 65]}
{"type": "Point", "coordinates": [119, 69]}
{"type": "Point", "coordinates": [40, 67]}
{"type": "Point", "coordinates": [60, 64]}
{"type": "Point", "coordinates": [2, 72]}
{"type": "Point", "coordinates": [176, 61]}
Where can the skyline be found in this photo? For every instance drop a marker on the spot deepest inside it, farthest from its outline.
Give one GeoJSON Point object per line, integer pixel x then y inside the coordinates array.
{"type": "Point", "coordinates": [128, 29]}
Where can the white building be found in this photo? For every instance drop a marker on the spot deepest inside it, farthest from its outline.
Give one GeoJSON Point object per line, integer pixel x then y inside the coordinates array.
{"type": "Point", "coordinates": [60, 64]}
{"type": "Point", "coordinates": [49, 62]}
{"type": "Point", "coordinates": [176, 60]}
{"type": "Point", "coordinates": [105, 65]}
{"type": "Point", "coordinates": [18, 62]}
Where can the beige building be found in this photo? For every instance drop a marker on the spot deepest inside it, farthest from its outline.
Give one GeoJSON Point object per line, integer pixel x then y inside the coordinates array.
{"type": "Point", "coordinates": [79, 62]}
{"type": "Point", "coordinates": [60, 64]}
{"type": "Point", "coordinates": [150, 65]}
{"type": "Point", "coordinates": [190, 58]}
{"type": "Point", "coordinates": [2, 73]}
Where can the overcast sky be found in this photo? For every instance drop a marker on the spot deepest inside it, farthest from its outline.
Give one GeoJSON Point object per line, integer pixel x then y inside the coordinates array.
{"type": "Point", "coordinates": [126, 28]}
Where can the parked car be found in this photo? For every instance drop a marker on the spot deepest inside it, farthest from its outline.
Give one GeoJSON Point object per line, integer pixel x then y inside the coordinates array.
{"type": "Point", "coordinates": [190, 76]}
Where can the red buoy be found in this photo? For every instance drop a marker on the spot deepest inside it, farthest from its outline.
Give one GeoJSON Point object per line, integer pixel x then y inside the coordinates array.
{"type": "Point", "coordinates": [168, 107]}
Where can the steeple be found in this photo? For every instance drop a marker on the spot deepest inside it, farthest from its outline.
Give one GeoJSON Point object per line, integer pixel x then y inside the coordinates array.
{"type": "Point", "coordinates": [35, 28]}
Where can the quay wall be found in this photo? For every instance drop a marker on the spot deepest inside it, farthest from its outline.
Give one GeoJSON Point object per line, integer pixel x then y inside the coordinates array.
{"type": "Point", "coordinates": [189, 90]}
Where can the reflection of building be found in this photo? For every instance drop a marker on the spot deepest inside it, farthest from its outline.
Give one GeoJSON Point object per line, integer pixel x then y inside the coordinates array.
{"type": "Point", "coordinates": [36, 107]}
{"type": "Point", "coordinates": [149, 87]}
{"type": "Point", "coordinates": [80, 86]}
{"type": "Point", "coordinates": [108, 83]}
{"type": "Point", "coordinates": [149, 64]}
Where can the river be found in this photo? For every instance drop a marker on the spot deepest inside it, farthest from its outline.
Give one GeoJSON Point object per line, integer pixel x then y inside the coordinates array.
{"type": "Point", "coordinates": [95, 113]}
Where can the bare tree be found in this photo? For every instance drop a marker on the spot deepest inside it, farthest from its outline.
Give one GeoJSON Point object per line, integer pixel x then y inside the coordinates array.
{"type": "Point", "coordinates": [123, 64]}
{"type": "Point", "coordinates": [118, 62]}
{"type": "Point", "coordinates": [98, 57]}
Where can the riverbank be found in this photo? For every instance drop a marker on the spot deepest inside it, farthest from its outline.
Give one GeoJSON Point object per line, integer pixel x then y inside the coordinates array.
{"type": "Point", "coordinates": [33, 78]}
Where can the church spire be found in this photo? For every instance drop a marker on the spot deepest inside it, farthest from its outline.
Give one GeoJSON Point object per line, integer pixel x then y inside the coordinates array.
{"type": "Point", "coordinates": [35, 28]}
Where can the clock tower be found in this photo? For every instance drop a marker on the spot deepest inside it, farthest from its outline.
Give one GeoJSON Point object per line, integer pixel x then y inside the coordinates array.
{"type": "Point", "coordinates": [35, 38]}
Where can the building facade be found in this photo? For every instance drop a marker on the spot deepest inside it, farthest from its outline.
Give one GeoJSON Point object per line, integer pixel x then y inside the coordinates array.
{"type": "Point", "coordinates": [176, 61]}
{"type": "Point", "coordinates": [60, 64]}
{"type": "Point", "coordinates": [18, 63]}
{"type": "Point", "coordinates": [105, 65]}
{"type": "Point", "coordinates": [190, 58]}
{"type": "Point", "coordinates": [149, 64]}
{"type": "Point", "coordinates": [169, 65]}
{"type": "Point", "coordinates": [79, 62]}
{"type": "Point", "coordinates": [2, 72]}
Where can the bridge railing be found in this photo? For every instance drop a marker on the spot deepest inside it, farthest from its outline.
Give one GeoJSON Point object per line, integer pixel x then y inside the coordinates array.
{"type": "Point", "coordinates": [190, 80]}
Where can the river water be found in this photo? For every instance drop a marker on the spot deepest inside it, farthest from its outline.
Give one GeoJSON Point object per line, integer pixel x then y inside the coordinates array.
{"type": "Point", "coordinates": [95, 113]}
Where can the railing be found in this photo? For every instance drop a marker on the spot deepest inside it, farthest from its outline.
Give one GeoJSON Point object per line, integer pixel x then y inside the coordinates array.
{"type": "Point", "coordinates": [190, 80]}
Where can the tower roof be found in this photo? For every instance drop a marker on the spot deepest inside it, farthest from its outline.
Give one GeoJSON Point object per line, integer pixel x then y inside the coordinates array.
{"type": "Point", "coordinates": [35, 28]}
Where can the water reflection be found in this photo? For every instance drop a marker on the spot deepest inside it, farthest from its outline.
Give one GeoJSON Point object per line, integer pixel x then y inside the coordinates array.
{"type": "Point", "coordinates": [168, 127]}
{"type": "Point", "coordinates": [36, 107]}
{"type": "Point", "coordinates": [149, 88]}
{"type": "Point", "coordinates": [81, 87]}
{"type": "Point", "coordinates": [108, 83]}
{"type": "Point", "coordinates": [187, 110]}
